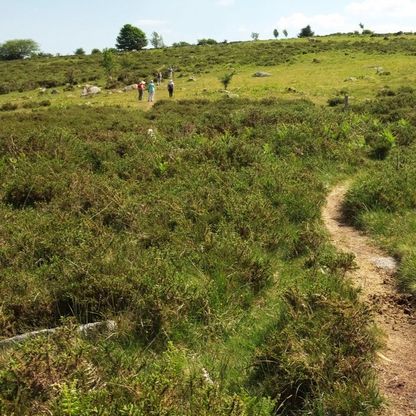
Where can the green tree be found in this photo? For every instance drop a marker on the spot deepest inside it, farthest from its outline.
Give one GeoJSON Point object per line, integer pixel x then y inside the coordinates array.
{"type": "Point", "coordinates": [108, 61]}
{"type": "Point", "coordinates": [95, 51]}
{"type": "Point", "coordinates": [79, 52]}
{"type": "Point", "coordinates": [306, 32]}
{"type": "Point", "coordinates": [275, 33]}
{"type": "Point", "coordinates": [254, 36]}
{"type": "Point", "coordinates": [18, 49]}
{"type": "Point", "coordinates": [226, 79]}
{"type": "Point", "coordinates": [208, 41]}
{"type": "Point", "coordinates": [180, 44]}
{"type": "Point", "coordinates": [285, 33]}
{"type": "Point", "coordinates": [157, 40]}
{"type": "Point", "coordinates": [131, 38]}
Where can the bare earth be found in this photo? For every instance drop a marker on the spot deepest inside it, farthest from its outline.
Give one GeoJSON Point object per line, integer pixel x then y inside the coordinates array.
{"type": "Point", "coordinates": [393, 311]}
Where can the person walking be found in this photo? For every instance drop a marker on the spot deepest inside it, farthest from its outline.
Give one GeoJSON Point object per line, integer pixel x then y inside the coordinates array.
{"type": "Point", "coordinates": [159, 78]}
{"type": "Point", "coordinates": [171, 87]}
{"type": "Point", "coordinates": [140, 88]}
{"type": "Point", "coordinates": [151, 88]}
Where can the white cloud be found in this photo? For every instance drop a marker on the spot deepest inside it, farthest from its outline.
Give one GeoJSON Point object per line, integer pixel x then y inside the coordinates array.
{"type": "Point", "coordinates": [225, 3]}
{"type": "Point", "coordinates": [327, 23]}
{"type": "Point", "coordinates": [382, 8]}
{"type": "Point", "coordinates": [382, 16]}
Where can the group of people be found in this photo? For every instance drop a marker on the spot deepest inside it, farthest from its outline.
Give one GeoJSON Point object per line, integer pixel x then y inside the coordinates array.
{"type": "Point", "coordinates": [151, 88]}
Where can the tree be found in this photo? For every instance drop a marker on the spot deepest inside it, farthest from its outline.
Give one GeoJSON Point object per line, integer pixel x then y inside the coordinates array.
{"type": "Point", "coordinates": [254, 36]}
{"type": "Point", "coordinates": [79, 52]}
{"type": "Point", "coordinates": [208, 41]}
{"type": "Point", "coordinates": [131, 38]}
{"type": "Point", "coordinates": [275, 33]}
{"type": "Point", "coordinates": [18, 49]}
{"type": "Point", "coordinates": [180, 44]}
{"type": "Point", "coordinates": [108, 61]}
{"type": "Point", "coordinates": [306, 32]}
{"type": "Point", "coordinates": [226, 79]}
{"type": "Point", "coordinates": [95, 51]}
{"type": "Point", "coordinates": [157, 40]}
{"type": "Point", "coordinates": [285, 33]}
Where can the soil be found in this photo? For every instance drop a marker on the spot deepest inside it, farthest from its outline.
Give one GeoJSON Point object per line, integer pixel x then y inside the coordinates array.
{"type": "Point", "coordinates": [394, 312]}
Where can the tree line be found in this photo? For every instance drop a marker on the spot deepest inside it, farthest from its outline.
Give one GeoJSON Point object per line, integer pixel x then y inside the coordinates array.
{"type": "Point", "coordinates": [130, 38]}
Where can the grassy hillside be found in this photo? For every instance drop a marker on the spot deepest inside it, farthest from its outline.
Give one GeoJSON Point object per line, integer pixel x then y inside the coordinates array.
{"type": "Point", "coordinates": [202, 237]}
{"type": "Point", "coordinates": [317, 70]}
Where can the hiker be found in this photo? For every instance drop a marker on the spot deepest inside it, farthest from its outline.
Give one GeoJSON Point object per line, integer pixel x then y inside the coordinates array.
{"type": "Point", "coordinates": [140, 88]}
{"type": "Point", "coordinates": [159, 78]}
{"type": "Point", "coordinates": [171, 86]}
{"type": "Point", "coordinates": [170, 72]}
{"type": "Point", "coordinates": [151, 90]}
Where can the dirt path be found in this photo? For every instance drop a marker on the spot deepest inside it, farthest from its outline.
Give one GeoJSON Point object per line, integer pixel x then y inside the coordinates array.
{"type": "Point", "coordinates": [393, 313]}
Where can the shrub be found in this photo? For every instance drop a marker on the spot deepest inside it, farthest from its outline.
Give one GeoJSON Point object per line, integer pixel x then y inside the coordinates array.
{"type": "Point", "coordinates": [333, 102]}
{"type": "Point", "coordinates": [9, 107]}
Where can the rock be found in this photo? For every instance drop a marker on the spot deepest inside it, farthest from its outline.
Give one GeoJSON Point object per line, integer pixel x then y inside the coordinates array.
{"type": "Point", "coordinates": [261, 74]}
{"type": "Point", "coordinates": [351, 79]}
{"type": "Point", "coordinates": [87, 329]}
{"type": "Point", "coordinates": [131, 87]}
{"type": "Point", "coordinates": [385, 263]}
{"type": "Point", "coordinates": [54, 92]}
{"type": "Point", "coordinates": [190, 79]}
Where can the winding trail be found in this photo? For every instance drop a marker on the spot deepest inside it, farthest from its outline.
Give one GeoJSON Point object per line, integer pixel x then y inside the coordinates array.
{"type": "Point", "coordinates": [393, 313]}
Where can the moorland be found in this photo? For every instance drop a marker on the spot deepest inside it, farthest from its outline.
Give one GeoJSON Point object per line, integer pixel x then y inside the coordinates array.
{"type": "Point", "coordinates": [195, 224]}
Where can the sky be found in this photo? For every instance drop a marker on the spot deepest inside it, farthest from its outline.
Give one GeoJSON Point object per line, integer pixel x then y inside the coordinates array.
{"type": "Point", "coordinates": [62, 26]}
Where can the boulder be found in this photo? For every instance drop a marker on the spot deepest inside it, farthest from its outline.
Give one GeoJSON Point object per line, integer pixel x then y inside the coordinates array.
{"type": "Point", "coordinates": [261, 74]}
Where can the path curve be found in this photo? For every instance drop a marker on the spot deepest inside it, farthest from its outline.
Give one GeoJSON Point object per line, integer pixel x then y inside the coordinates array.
{"type": "Point", "coordinates": [396, 366]}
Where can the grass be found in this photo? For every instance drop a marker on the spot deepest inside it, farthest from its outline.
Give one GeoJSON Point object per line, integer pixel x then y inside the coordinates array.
{"type": "Point", "coordinates": [301, 79]}
{"type": "Point", "coordinates": [382, 201]}
{"type": "Point", "coordinates": [291, 63]}
{"type": "Point", "coordinates": [203, 239]}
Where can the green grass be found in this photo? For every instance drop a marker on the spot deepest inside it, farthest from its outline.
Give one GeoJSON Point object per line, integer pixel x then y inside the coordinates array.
{"type": "Point", "coordinates": [203, 239]}
{"type": "Point", "coordinates": [291, 63]}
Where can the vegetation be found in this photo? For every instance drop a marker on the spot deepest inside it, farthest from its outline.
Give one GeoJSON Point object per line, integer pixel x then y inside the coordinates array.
{"type": "Point", "coordinates": [157, 40]}
{"type": "Point", "coordinates": [306, 32]}
{"type": "Point", "coordinates": [195, 225]}
{"type": "Point", "coordinates": [79, 52]}
{"type": "Point", "coordinates": [18, 49]}
{"type": "Point", "coordinates": [383, 200]}
{"type": "Point", "coordinates": [208, 41]}
{"type": "Point", "coordinates": [131, 38]}
{"type": "Point", "coordinates": [291, 60]}
{"type": "Point", "coordinates": [226, 79]}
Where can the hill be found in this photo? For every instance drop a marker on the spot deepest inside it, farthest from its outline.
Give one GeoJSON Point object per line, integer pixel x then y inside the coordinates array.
{"type": "Point", "coordinates": [196, 225]}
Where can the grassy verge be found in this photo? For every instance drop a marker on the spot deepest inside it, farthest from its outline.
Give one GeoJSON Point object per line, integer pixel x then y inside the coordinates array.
{"type": "Point", "coordinates": [201, 239]}
{"type": "Point", "coordinates": [383, 200]}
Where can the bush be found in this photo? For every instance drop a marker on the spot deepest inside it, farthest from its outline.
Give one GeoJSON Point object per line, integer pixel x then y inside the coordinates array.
{"type": "Point", "coordinates": [305, 365]}
{"type": "Point", "coordinates": [9, 107]}
{"type": "Point", "coordinates": [333, 102]}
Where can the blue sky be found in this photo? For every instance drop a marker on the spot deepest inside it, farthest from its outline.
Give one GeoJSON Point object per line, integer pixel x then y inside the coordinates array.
{"type": "Point", "coordinates": [61, 26]}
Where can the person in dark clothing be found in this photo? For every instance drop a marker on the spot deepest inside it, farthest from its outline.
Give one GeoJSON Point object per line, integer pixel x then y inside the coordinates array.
{"type": "Point", "coordinates": [171, 87]}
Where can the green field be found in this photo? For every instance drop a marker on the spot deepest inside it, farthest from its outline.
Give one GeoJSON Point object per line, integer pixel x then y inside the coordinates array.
{"type": "Point", "coordinates": [202, 237]}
